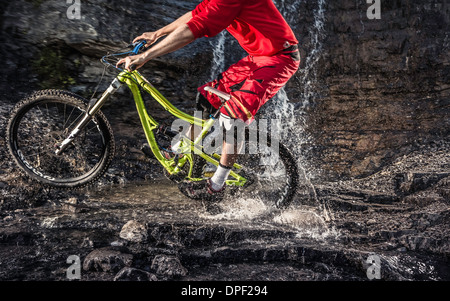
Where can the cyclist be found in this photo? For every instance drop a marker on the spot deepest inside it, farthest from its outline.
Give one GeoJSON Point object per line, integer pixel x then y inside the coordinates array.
{"type": "Point", "coordinates": [273, 58]}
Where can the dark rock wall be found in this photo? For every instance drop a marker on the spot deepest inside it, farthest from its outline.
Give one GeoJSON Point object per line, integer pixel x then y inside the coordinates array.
{"type": "Point", "coordinates": [378, 88]}
{"type": "Point", "coordinates": [385, 83]}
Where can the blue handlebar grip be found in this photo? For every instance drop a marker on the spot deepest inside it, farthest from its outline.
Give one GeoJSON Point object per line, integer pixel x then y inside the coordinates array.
{"type": "Point", "coordinates": [138, 46]}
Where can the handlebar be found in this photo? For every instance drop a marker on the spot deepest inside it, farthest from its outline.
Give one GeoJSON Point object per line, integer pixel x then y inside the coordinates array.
{"type": "Point", "coordinates": [137, 46]}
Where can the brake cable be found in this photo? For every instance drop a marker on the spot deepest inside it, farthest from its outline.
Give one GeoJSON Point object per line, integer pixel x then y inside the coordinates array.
{"type": "Point", "coordinates": [137, 46]}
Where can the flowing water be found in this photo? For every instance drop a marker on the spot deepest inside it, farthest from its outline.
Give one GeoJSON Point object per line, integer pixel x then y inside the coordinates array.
{"type": "Point", "coordinates": [292, 123]}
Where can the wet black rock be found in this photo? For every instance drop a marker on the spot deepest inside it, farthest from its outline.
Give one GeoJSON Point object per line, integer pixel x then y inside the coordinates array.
{"type": "Point", "coordinates": [412, 182]}
{"type": "Point", "coordinates": [168, 266]}
{"type": "Point", "coordinates": [132, 274]}
{"type": "Point", "coordinates": [134, 231]}
{"type": "Point", "coordinates": [108, 259]}
{"type": "Point", "coordinates": [165, 237]}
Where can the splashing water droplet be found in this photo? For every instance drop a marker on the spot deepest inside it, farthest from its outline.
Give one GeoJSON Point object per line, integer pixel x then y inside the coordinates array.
{"type": "Point", "coordinates": [240, 209]}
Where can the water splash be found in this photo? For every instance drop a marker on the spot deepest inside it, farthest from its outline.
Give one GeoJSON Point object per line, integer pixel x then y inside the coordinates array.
{"type": "Point", "coordinates": [294, 137]}
{"type": "Point", "coordinates": [292, 116]}
{"type": "Point", "coordinates": [301, 219]}
{"type": "Point", "coordinates": [239, 209]}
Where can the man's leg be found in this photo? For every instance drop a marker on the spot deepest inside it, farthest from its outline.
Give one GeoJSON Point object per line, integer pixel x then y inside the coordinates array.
{"type": "Point", "coordinates": [228, 158]}
{"type": "Point", "coordinates": [231, 147]}
{"type": "Point", "coordinates": [203, 106]}
{"type": "Point", "coordinates": [213, 188]}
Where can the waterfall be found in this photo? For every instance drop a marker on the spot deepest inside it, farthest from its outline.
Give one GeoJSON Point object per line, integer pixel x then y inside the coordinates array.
{"type": "Point", "coordinates": [218, 63]}
{"type": "Point", "coordinates": [288, 10]}
{"type": "Point", "coordinates": [309, 76]}
{"type": "Point", "coordinates": [293, 116]}
{"type": "Point", "coordinates": [281, 107]}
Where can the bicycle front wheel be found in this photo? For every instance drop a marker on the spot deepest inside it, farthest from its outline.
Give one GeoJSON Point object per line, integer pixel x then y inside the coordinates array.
{"type": "Point", "coordinates": [40, 122]}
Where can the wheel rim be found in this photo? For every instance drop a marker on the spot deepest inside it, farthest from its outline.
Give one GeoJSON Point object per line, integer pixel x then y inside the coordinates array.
{"type": "Point", "coordinates": [42, 126]}
{"type": "Point", "coordinates": [271, 177]}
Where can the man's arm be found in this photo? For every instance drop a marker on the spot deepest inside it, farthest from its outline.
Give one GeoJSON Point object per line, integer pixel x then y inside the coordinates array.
{"type": "Point", "coordinates": [175, 24]}
{"type": "Point", "coordinates": [151, 37]}
{"type": "Point", "coordinates": [177, 39]}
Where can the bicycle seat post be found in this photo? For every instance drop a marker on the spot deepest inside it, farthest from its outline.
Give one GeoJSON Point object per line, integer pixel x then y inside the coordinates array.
{"type": "Point", "coordinates": [224, 97]}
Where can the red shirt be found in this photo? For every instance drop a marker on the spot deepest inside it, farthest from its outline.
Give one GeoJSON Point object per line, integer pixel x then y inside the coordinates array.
{"type": "Point", "coordinates": [257, 24]}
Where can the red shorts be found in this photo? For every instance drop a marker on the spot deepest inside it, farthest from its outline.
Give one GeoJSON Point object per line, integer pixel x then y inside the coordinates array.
{"type": "Point", "coordinates": [252, 81]}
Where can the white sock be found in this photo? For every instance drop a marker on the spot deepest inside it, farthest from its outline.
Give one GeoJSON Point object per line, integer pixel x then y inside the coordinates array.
{"type": "Point", "coordinates": [219, 177]}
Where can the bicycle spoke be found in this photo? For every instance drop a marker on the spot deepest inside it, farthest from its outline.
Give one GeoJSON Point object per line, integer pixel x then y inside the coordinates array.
{"type": "Point", "coordinates": [91, 129]}
{"type": "Point", "coordinates": [75, 121]}
{"type": "Point", "coordinates": [37, 107]}
{"type": "Point", "coordinates": [68, 118]}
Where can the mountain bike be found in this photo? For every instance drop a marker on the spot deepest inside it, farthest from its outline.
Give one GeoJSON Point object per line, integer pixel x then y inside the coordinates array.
{"type": "Point", "coordinates": [63, 140]}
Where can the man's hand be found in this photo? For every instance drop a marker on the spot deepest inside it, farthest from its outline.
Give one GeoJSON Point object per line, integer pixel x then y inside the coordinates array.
{"type": "Point", "coordinates": [149, 37]}
{"type": "Point", "coordinates": [178, 38]}
{"type": "Point", "coordinates": [137, 61]}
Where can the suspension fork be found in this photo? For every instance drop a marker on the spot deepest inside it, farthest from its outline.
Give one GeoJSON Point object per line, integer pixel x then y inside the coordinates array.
{"type": "Point", "coordinates": [90, 113]}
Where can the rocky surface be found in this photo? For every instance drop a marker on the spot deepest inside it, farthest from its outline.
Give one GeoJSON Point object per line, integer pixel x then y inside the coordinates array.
{"type": "Point", "coordinates": [147, 231]}
{"type": "Point", "coordinates": [372, 104]}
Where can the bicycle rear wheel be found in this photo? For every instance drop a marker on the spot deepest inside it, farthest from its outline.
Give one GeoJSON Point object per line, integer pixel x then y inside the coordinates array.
{"type": "Point", "coordinates": [41, 121]}
{"type": "Point", "coordinates": [271, 170]}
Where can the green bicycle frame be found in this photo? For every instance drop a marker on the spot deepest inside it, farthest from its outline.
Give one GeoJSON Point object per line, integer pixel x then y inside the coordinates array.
{"type": "Point", "coordinates": [173, 166]}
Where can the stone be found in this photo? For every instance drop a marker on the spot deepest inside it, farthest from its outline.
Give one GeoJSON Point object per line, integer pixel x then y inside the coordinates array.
{"type": "Point", "coordinates": [108, 259]}
{"type": "Point", "coordinates": [410, 182]}
{"type": "Point", "coordinates": [168, 266]}
{"type": "Point", "coordinates": [133, 274]}
{"type": "Point", "coordinates": [118, 243]}
{"type": "Point", "coordinates": [72, 205]}
{"type": "Point", "coordinates": [8, 218]}
{"type": "Point", "coordinates": [87, 243]}
{"type": "Point", "coordinates": [134, 231]}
